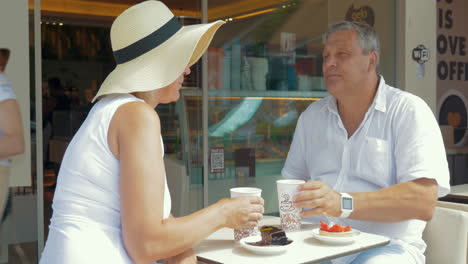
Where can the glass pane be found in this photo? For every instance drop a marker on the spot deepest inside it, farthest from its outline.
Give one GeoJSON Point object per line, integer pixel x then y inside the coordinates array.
{"type": "Point", "coordinates": [190, 109]}
{"type": "Point", "coordinates": [77, 57]}
{"type": "Point", "coordinates": [181, 127]}
{"type": "Point", "coordinates": [265, 69]}
{"type": "Point", "coordinates": [18, 228]}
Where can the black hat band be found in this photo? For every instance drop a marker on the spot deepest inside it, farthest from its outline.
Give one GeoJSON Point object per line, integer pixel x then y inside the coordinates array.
{"type": "Point", "coordinates": [148, 43]}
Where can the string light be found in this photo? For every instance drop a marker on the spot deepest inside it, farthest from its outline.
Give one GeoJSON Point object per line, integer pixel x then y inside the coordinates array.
{"type": "Point", "coordinates": [289, 5]}
{"type": "Point", "coordinates": [52, 23]}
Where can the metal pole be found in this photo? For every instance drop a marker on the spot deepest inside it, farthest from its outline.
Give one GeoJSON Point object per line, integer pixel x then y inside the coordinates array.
{"type": "Point", "coordinates": [205, 111]}
{"type": "Point", "coordinates": [400, 44]}
{"type": "Point", "coordinates": [39, 156]}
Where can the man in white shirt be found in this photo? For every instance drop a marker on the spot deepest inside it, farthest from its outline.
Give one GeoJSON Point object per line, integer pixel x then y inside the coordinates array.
{"type": "Point", "coordinates": [11, 129]}
{"type": "Point", "coordinates": [373, 155]}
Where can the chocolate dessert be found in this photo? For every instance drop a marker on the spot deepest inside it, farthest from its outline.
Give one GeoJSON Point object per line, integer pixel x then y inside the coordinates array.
{"type": "Point", "coordinates": [272, 236]}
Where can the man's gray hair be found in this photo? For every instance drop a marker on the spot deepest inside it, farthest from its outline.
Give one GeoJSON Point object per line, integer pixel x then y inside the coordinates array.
{"type": "Point", "coordinates": [368, 39]}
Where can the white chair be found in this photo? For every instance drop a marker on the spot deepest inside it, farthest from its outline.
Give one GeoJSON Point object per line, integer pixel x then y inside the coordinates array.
{"type": "Point", "coordinates": [456, 206]}
{"type": "Point", "coordinates": [446, 235]}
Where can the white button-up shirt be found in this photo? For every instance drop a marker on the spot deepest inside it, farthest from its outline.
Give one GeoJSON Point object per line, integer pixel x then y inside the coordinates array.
{"type": "Point", "coordinates": [398, 140]}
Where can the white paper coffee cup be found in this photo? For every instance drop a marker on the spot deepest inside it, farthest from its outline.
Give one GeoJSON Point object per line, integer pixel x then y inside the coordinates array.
{"type": "Point", "coordinates": [245, 191]}
{"type": "Point", "coordinates": [289, 215]}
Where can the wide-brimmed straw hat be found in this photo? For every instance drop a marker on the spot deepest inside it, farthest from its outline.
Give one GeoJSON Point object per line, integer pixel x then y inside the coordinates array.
{"type": "Point", "coordinates": [152, 49]}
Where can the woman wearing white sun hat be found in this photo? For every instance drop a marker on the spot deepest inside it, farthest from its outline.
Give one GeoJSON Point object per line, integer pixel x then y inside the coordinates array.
{"type": "Point", "coordinates": [112, 204]}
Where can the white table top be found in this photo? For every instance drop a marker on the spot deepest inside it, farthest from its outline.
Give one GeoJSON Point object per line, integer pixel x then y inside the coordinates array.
{"type": "Point", "coordinates": [221, 248]}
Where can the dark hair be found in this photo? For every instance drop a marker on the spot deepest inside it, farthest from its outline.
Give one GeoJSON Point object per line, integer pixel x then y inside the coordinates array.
{"type": "Point", "coordinates": [54, 83]}
{"type": "Point", "coordinates": [4, 56]}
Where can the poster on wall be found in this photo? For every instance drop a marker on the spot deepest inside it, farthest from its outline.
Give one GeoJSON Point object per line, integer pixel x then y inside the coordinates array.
{"type": "Point", "coordinates": [452, 66]}
{"type": "Point", "coordinates": [362, 14]}
{"type": "Point", "coordinates": [453, 112]}
{"type": "Point", "coordinates": [14, 32]}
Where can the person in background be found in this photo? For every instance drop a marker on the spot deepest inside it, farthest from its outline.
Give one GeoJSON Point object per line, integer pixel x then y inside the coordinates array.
{"type": "Point", "coordinates": [57, 91]}
{"type": "Point", "coordinates": [373, 155]}
{"type": "Point", "coordinates": [112, 203]}
{"type": "Point", "coordinates": [48, 105]}
{"type": "Point", "coordinates": [11, 131]}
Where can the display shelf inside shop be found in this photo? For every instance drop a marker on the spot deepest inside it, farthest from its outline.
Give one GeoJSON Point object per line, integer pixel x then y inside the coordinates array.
{"type": "Point", "coordinates": [253, 93]}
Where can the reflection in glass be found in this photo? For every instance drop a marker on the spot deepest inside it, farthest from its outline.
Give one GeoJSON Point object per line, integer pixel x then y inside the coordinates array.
{"type": "Point", "coordinates": [264, 70]}
{"type": "Point", "coordinates": [236, 117]}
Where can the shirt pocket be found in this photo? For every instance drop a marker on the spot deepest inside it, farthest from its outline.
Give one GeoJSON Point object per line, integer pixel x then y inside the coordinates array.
{"type": "Point", "coordinates": [374, 162]}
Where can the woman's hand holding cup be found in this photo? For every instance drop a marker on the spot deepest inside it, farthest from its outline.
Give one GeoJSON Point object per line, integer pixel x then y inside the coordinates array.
{"type": "Point", "coordinates": [242, 212]}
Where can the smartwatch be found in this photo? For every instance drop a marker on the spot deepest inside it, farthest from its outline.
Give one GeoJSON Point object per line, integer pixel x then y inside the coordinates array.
{"type": "Point", "coordinates": [347, 205]}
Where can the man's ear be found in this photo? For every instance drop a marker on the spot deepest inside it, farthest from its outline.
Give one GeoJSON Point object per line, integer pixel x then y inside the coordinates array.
{"type": "Point", "coordinates": [374, 56]}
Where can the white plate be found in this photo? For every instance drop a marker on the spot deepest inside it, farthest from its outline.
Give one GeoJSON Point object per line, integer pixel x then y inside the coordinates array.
{"type": "Point", "coordinates": [336, 240]}
{"type": "Point", "coordinates": [263, 250]}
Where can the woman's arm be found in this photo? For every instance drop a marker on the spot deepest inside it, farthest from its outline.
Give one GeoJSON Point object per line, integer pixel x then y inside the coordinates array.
{"type": "Point", "coordinates": [12, 139]}
{"type": "Point", "coordinates": [135, 131]}
{"type": "Point", "coordinates": [186, 257]}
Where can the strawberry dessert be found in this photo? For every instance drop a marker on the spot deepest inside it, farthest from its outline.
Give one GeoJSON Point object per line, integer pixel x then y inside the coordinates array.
{"type": "Point", "coordinates": [335, 230]}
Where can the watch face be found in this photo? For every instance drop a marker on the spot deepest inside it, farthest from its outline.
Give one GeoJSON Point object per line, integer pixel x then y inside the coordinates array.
{"type": "Point", "coordinates": [347, 203]}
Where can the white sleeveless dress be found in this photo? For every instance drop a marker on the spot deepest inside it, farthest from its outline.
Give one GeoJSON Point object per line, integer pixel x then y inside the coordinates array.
{"type": "Point", "coordinates": [85, 226]}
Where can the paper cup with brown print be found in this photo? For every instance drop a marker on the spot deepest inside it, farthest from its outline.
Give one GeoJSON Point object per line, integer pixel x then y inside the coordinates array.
{"type": "Point", "coordinates": [245, 191]}
{"type": "Point", "coordinates": [289, 215]}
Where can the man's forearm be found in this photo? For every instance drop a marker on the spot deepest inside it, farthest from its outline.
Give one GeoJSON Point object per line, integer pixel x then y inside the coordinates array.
{"type": "Point", "coordinates": [10, 146]}
{"type": "Point", "coordinates": [409, 200]}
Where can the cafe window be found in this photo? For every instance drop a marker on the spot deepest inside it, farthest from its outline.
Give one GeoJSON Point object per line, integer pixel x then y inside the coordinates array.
{"type": "Point", "coordinates": [264, 69]}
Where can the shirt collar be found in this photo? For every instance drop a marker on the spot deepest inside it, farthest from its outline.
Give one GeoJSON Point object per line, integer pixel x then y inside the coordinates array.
{"type": "Point", "coordinates": [380, 99]}
{"type": "Point", "coordinates": [330, 105]}
{"type": "Point", "coordinates": [379, 103]}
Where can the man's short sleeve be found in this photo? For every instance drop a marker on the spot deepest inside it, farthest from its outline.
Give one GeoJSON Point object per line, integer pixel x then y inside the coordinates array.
{"type": "Point", "coordinates": [5, 90]}
{"type": "Point", "coordinates": [295, 166]}
{"type": "Point", "coordinates": [419, 148]}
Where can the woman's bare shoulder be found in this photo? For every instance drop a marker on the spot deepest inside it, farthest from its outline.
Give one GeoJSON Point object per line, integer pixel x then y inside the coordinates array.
{"type": "Point", "coordinates": [136, 112]}
{"type": "Point", "coordinates": [133, 122]}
